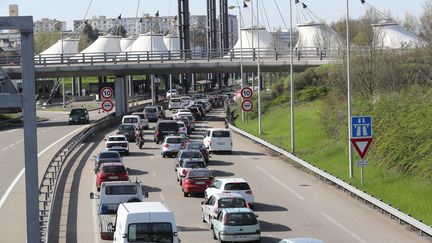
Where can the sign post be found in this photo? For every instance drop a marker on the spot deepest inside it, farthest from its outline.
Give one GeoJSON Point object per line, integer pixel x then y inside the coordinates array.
{"type": "Point", "coordinates": [361, 139]}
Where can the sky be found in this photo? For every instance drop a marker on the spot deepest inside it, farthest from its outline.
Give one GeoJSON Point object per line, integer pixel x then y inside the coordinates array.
{"type": "Point", "coordinates": [329, 11]}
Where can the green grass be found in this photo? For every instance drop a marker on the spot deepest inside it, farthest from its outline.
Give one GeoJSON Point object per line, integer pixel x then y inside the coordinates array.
{"type": "Point", "coordinates": [411, 195]}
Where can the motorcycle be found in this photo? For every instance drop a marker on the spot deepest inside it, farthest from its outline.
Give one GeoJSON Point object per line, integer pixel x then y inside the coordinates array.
{"type": "Point", "coordinates": [139, 139]}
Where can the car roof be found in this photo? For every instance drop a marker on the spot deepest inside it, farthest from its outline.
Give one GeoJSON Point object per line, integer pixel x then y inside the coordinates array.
{"type": "Point", "coordinates": [109, 152]}
{"type": "Point", "coordinates": [217, 129]}
{"type": "Point", "coordinates": [112, 164]}
{"type": "Point", "coordinates": [117, 135]}
{"type": "Point", "coordinates": [130, 116]}
{"type": "Point", "coordinates": [226, 195]}
{"type": "Point", "coordinates": [237, 210]}
{"type": "Point", "coordinates": [228, 180]}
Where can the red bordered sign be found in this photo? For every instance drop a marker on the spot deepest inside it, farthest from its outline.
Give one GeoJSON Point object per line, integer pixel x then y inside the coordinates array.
{"type": "Point", "coordinates": [107, 105]}
{"type": "Point", "coordinates": [246, 93]}
{"type": "Point", "coordinates": [107, 93]}
{"type": "Point", "coordinates": [247, 105]}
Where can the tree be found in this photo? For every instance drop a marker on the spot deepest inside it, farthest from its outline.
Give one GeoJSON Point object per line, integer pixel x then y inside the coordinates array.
{"type": "Point", "coordinates": [89, 35]}
{"type": "Point", "coordinates": [411, 23]}
{"type": "Point", "coordinates": [43, 40]}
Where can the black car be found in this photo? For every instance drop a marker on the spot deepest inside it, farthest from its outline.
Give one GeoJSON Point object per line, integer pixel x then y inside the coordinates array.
{"type": "Point", "coordinates": [164, 128]}
{"type": "Point", "coordinates": [195, 113]}
{"type": "Point", "coordinates": [79, 116]}
{"type": "Point", "coordinates": [128, 130]}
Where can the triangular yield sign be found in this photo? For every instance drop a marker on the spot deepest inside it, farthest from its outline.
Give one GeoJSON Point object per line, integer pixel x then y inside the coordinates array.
{"type": "Point", "coordinates": [361, 145]}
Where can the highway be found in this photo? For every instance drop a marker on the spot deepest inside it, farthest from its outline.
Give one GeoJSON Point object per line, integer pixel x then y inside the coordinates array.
{"type": "Point", "coordinates": [290, 202]}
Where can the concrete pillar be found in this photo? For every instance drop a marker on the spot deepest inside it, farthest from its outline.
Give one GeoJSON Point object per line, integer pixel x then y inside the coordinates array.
{"type": "Point", "coordinates": [79, 86]}
{"type": "Point", "coordinates": [130, 85]}
{"type": "Point", "coordinates": [74, 91]}
{"type": "Point", "coordinates": [121, 97]}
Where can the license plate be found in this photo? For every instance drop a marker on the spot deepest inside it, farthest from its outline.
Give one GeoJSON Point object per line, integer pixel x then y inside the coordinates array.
{"type": "Point", "coordinates": [220, 143]}
{"type": "Point", "coordinates": [116, 147]}
{"type": "Point", "coordinates": [240, 236]}
{"type": "Point", "coordinates": [113, 177]}
{"type": "Point", "coordinates": [200, 182]}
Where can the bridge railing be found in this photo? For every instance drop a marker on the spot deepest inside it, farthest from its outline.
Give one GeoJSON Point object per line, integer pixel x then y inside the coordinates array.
{"type": "Point", "coordinates": [414, 224]}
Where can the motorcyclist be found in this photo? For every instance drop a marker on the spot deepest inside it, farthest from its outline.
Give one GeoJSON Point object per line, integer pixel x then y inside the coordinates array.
{"type": "Point", "coordinates": [139, 135]}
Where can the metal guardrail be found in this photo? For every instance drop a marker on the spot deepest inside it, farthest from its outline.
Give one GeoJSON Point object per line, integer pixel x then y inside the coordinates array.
{"type": "Point", "coordinates": [385, 208]}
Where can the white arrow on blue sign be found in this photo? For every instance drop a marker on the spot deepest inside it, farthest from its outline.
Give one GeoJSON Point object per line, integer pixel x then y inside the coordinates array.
{"type": "Point", "coordinates": [361, 126]}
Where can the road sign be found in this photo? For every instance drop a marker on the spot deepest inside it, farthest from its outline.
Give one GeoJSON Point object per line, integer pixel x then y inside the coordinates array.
{"type": "Point", "coordinates": [247, 105]}
{"type": "Point", "coordinates": [107, 105]}
{"type": "Point", "coordinates": [246, 93]}
{"type": "Point", "coordinates": [361, 145]}
{"type": "Point", "coordinates": [107, 92]}
{"type": "Point", "coordinates": [362, 163]}
{"type": "Point", "coordinates": [361, 126]}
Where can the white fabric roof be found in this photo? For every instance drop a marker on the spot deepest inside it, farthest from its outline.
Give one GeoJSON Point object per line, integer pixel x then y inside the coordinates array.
{"type": "Point", "coordinates": [172, 42]}
{"type": "Point", "coordinates": [104, 44]}
{"type": "Point", "coordinates": [250, 41]}
{"type": "Point", "coordinates": [392, 35]}
{"type": "Point", "coordinates": [126, 42]}
{"type": "Point", "coordinates": [148, 42]}
{"type": "Point", "coordinates": [315, 35]}
{"type": "Point", "coordinates": [69, 46]}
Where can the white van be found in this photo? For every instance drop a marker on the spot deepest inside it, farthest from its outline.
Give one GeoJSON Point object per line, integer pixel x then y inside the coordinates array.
{"type": "Point", "coordinates": [218, 140]}
{"type": "Point", "coordinates": [145, 222]}
{"type": "Point", "coordinates": [132, 119]}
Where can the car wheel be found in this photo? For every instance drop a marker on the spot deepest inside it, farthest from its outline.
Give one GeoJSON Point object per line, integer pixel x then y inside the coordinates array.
{"type": "Point", "coordinates": [185, 194]}
{"type": "Point", "coordinates": [163, 155]}
{"type": "Point", "coordinates": [177, 177]}
{"type": "Point", "coordinates": [214, 235]}
{"type": "Point", "coordinates": [127, 153]}
{"type": "Point", "coordinates": [70, 123]}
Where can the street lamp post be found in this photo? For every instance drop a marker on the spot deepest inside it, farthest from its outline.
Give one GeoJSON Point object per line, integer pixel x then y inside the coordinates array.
{"type": "Point", "coordinates": [291, 82]}
{"type": "Point", "coordinates": [258, 70]}
{"type": "Point", "coordinates": [241, 47]}
{"type": "Point", "coordinates": [349, 91]}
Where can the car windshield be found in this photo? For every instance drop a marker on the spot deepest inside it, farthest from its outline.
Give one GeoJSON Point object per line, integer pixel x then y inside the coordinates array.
{"type": "Point", "coordinates": [191, 164]}
{"type": "Point", "coordinates": [114, 169]}
{"type": "Point", "coordinates": [108, 155]}
{"type": "Point", "coordinates": [232, 202]}
{"type": "Point", "coordinates": [200, 173]}
{"type": "Point", "coordinates": [77, 112]}
{"type": "Point", "coordinates": [237, 186]}
{"type": "Point", "coordinates": [241, 219]}
{"type": "Point", "coordinates": [174, 140]}
{"type": "Point", "coordinates": [191, 154]}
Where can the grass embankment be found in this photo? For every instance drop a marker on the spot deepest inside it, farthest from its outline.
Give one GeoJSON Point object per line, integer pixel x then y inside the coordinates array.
{"type": "Point", "coordinates": [411, 195]}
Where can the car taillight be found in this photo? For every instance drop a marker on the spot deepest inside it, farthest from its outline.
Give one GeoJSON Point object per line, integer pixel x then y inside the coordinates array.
{"type": "Point", "coordinates": [225, 192]}
{"type": "Point", "coordinates": [210, 142]}
{"type": "Point", "coordinates": [125, 176]}
{"type": "Point", "coordinates": [165, 145]}
{"type": "Point", "coordinates": [103, 176]}
{"type": "Point", "coordinates": [184, 172]}
{"type": "Point", "coordinates": [258, 232]}
{"type": "Point", "coordinates": [124, 145]}
{"type": "Point", "coordinates": [109, 145]}
{"type": "Point", "coordinates": [249, 192]}
{"type": "Point", "coordinates": [225, 219]}
{"type": "Point", "coordinates": [181, 162]}
{"type": "Point", "coordinates": [187, 181]}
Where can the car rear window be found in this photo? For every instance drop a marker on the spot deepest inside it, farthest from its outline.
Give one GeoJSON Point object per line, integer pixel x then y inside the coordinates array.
{"type": "Point", "coordinates": [126, 128]}
{"type": "Point", "coordinates": [168, 126]}
{"type": "Point", "coordinates": [193, 165]}
{"type": "Point", "coordinates": [150, 109]}
{"type": "Point", "coordinates": [174, 140]}
{"type": "Point", "coordinates": [232, 202]}
{"type": "Point", "coordinates": [175, 100]}
{"type": "Point", "coordinates": [121, 190]}
{"type": "Point", "coordinates": [150, 232]}
{"type": "Point", "coordinates": [195, 146]}
{"type": "Point", "coordinates": [221, 134]}
{"type": "Point", "coordinates": [78, 112]}
{"type": "Point", "coordinates": [117, 139]}
{"type": "Point", "coordinates": [130, 120]}
{"type": "Point", "coordinates": [108, 155]}
{"type": "Point", "coordinates": [241, 219]}
{"type": "Point", "coordinates": [141, 115]}
{"type": "Point", "coordinates": [237, 186]}
{"type": "Point", "coordinates": [191, 154]}
{"type": "Point", "coordinates": [200, 173]}
{"type": "Point", "coordinates": [114, 169]}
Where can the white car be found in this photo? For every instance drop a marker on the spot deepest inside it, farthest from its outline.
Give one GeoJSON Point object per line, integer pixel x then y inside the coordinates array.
{"type": "Point", "coordinates": [212, 206]}
{"type": "Point", "coordinates": [186, 101]}
{"type": "Point", "coordinates": [172, 145]}
{"type": "Point", "coordinates": [182, 127]}
{"type": "Point", "coordinates": [179, 112]}
{"type": "Point", "coordinates": [171, 93]}
{"type": "Point", "coordinates": [175, 103]}
{"type": "Point", "coordinates": [117, 143]}
{"type": "Point", "coordinates": [218, 140]}
{"type": "Point", "coordinates": [187, 164]}
{"type": "Point", "coordinates": [190, 118]}
{"type": "Point", "coordinates": [235, 185]}
{"type": "Point", "coordinates": [144, 120]}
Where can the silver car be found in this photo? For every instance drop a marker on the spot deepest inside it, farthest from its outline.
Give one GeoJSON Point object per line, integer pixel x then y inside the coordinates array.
{"type": "Point", "coordinates": [172, 145]}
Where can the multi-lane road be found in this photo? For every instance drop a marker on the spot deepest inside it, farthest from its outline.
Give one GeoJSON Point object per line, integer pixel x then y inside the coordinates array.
{"type": "Point", "coordinates": [290, 202]}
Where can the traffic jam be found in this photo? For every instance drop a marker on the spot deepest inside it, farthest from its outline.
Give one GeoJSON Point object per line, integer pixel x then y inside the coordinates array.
{"type": "Point", "coordinates": [228, 202]}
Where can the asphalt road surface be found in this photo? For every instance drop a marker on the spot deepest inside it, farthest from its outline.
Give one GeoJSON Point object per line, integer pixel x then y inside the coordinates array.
{"type": "Point", "coordinates": [289, 202]}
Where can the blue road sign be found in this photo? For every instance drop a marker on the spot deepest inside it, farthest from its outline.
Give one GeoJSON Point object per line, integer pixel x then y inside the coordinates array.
{"type": "Point", "coordinates": [361, 126]}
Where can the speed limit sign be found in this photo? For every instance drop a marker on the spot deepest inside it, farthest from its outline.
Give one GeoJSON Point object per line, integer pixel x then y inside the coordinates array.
{"type": "Point", "coordinates": [246, 93]}
{"type": "Point", "coordinates": [247, 105]}
{"type": "Point", "coordinates": [107, 92]}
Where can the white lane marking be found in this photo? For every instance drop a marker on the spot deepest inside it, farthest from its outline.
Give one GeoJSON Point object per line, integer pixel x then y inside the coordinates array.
{"type": "Point", "coordinates": [15, 181]}
{"type": "Point", "coordinates": [13, 130]}
{"type": "Point", "coordinates": [10, 146]}
{"type": "Point", "coordinates": [4, 149]}
{"type": "Point", "coordinates": [161, 197]}
{"type": "Point", "coordinates": [352, 234]}
{"type": "Point", "coordinates": [17, 142]}
{"type": "Point", "coordinates": [152, 157]}
{"type": "Point", "coordinates": [281, 183]}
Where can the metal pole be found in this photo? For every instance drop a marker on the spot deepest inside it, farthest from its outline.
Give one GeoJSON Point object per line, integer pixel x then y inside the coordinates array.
{"type": "Point", "coordinates": [170, 84]}
{"type": "Point", "coordinates": [30, 135]}
{"type": "Point", "coordinates": [292, 83]}
{"type": "Point", "coordinates": [63, 84]}
{"type": "Point", "coordinates": [241, 57]}
{"type": "Point", "coordinates": [258, 72]}
{"type": "Point", "coordinates": [362, 173]}
{"type": "Point", "coordinates": [152, 76]}
{"type": "Point", "coordinates": [349, 92]}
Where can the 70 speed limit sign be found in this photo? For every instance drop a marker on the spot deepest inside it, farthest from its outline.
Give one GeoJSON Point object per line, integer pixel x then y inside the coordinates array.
{"type": "Point", "coordinates": [246, 93]}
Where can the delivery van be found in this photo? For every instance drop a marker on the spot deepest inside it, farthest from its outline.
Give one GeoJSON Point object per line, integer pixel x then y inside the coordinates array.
{"type": "Point", "coordinates": [218, 140]}
{"type": "Point", "coordinates": [144, 222]}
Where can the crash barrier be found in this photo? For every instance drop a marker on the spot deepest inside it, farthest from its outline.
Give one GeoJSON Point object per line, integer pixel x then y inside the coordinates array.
{"type": "Point", "coordinates": [414, 224]}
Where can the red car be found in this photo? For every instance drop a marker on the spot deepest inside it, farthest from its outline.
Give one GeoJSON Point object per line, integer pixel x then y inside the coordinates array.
{"type": "Point", "coordinates": [111, 172]}
{"type": "Point", "coordinates": [196, 181]}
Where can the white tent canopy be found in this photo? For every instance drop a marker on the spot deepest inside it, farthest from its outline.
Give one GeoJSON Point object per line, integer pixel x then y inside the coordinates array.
{"type": "Point", "coordinates": [389, 34]}
{"type": "Point", "coordinates": [315, 35]}
{"type": "Point", "coordinates": [125, 43]}
{"type": "Point", "coordinates": [172, 42]}
{"type": "Point", "coordinates": [104, 44]}
{"type": "Point", "coordinates": [65, 46]}
{"type": "Point", "coordinates": [251, 40]}
{"type": "Point", "coordinates": [149, 42]}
